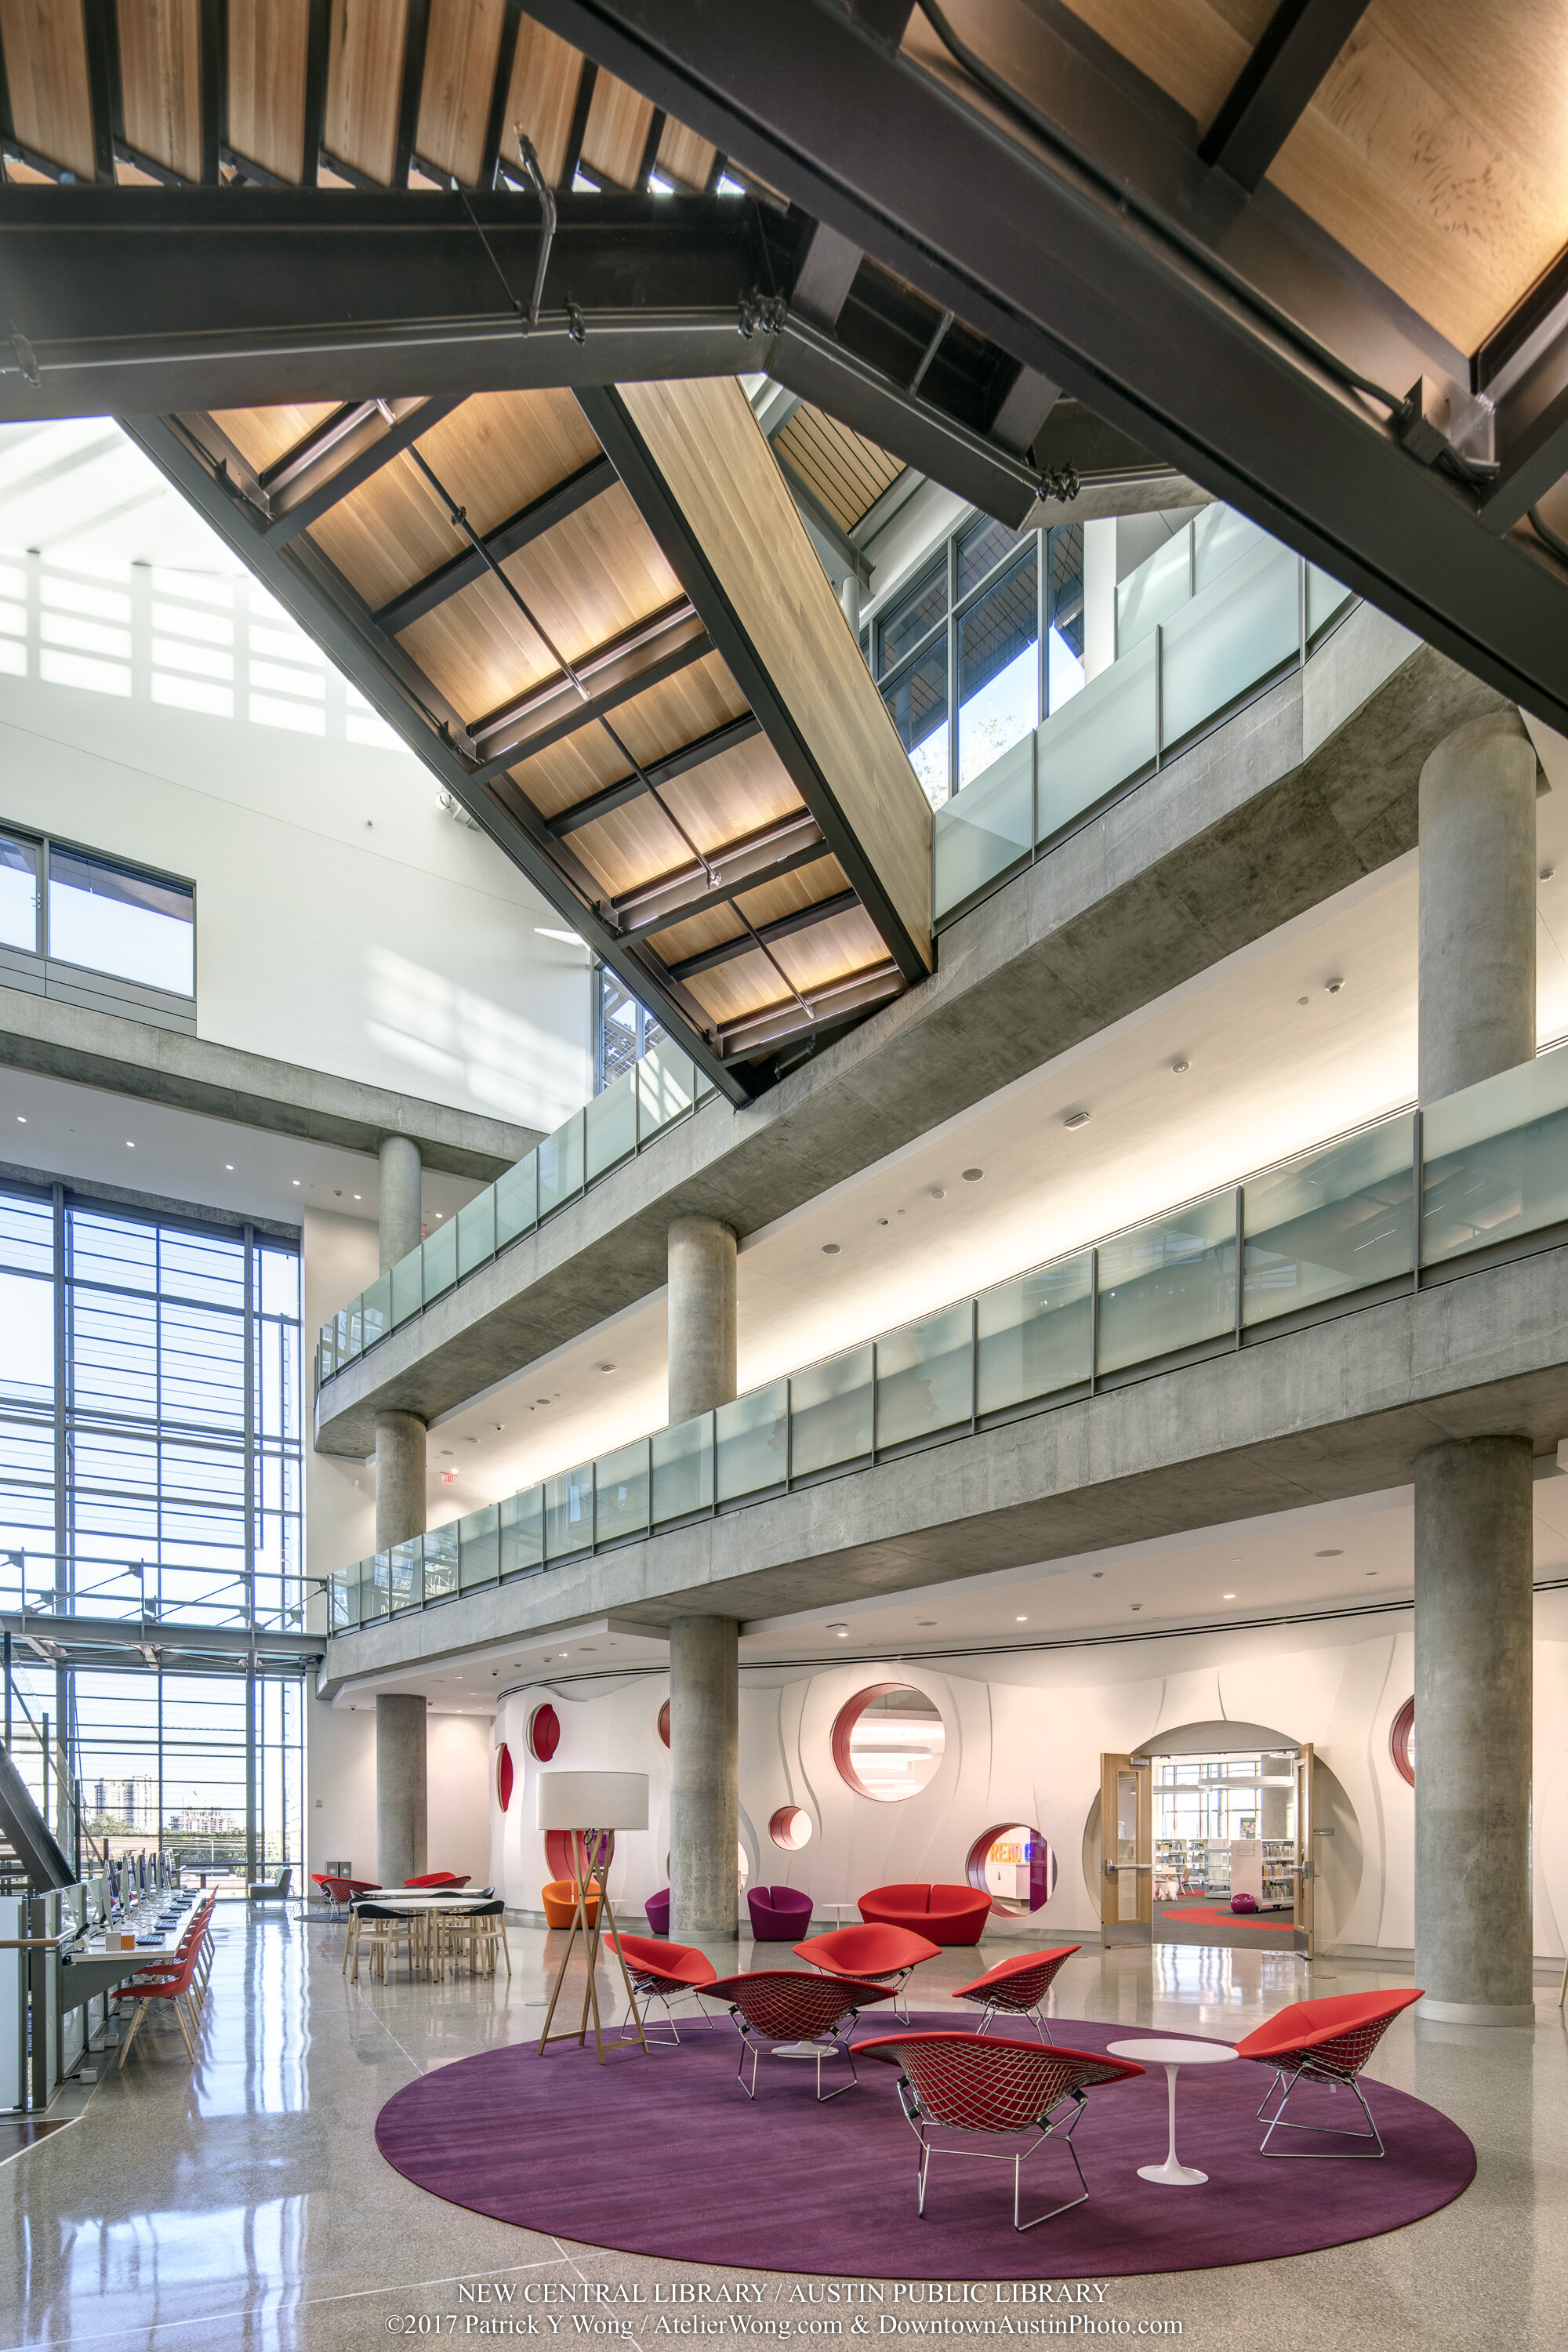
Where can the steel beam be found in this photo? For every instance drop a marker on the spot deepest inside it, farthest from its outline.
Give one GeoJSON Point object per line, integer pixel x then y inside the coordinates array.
{"type": "Point", "coordinates": [657, 772]}
{"type": "Point", "coordinates": [507, 537]}
{"type": "Point", "coordinates": [557, 710]}
{"type": "Point", "coordinates": [1099, 250]}
{"type": "Point", "coordinates": [1276, 86]}
{"type": "Point", "coordinates": [804, 919]}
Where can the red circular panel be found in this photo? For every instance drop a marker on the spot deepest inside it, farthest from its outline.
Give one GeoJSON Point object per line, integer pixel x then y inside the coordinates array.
{"type": "Point", "coordinates": [790, 1828]}
{"type": "Point", "coordinates": [1402, 1742]}
{"type": "Point", "coordinates": [544, 1733]}
{"type": "Point", "coordinates": [845, 1725]}
{"type": "Point", "coordinates": [1034, 1855]}
{"type": "Point", "coordinates": [664, 1723]}
{"type": "Point", "coordinates": [504, 1776]}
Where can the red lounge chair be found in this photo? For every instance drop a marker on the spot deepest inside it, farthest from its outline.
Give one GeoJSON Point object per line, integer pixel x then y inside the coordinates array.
{"type": "Point", "coordinates": [439, 1878]}
{"type": "Point", "coordinates": [875, 1955]}
{"type": "Point", "coordinates": [948, 1914]}
{"type": "Point", "coordinates": [1324, 2041]}
{"type": "Point", "coordinates": [959, 2083]}
{"type": "Point", "coordinates": [779, 2005]}
{"type": "Point", "coordinates": [1018, 1987]}
{"type": "Point", "coordinates": [664, 1972]}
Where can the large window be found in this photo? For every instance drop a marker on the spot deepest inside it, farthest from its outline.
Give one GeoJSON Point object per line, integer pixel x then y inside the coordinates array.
{"type": "Point", "coordinates": [623, 1029]}
{"type": "Point", "coordinates": [71, 906]}
{"type": "Point", "coordinates": [991, 630]}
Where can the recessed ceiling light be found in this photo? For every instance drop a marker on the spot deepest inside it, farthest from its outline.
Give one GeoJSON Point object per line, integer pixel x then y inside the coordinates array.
{"type": "Point", "coordinates": [1020, 1621]}
{"type": "Point", "coordinates": [1329, 1555]}
{"type": "Point", "coordinates": [356, 1196]}
{"type": "Point", "coordinates": [1180, 1067]}
{"type": "Point", "coordinates": [439, 1214]}
{"type": "Point", "coordinates": [1076, 1118]}
{"type": "Point", "coordinates": [1333, 986]}
{"type": "Point", "coordinates": [830, 1249]}
{"type": "Point", "coordinates": [1300, 1000]}
{"type": "Point", "coordinates": [1227, 1596]}
{"type": "Point", "coordinates": [938, 1193]}
{"type": "Point", "coordinates": [295, 1181]}
{"type": "Point", "coordinates": [841, 1629]}
{"type": "Point", "coordinates": [972, 1175]}
{"type": "Point", "coordinates": [1547, 872]}
{"type": "Point", "coordinates": [229, 1166]}
{"type": "Point", "coordinates": [606, 1367]}
{"type": "Point", "coordinates": [20, 1121]}
{"type": "Point", "coordinates": [881, 1221]}
{"type": "Point", "coordinates": [1135, 1606]}
{"type": "Point", "coordinates": [129, 1145]}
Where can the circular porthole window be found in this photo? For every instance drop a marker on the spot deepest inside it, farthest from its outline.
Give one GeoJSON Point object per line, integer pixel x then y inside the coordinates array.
{"type": "Point", "coordinates": [790, 1829]}
{"type": "Point", "coordinates": [887, 1742]}
{"type": "Point", "coordinates": [544, 1733]}
{"type": "Point", "coordinates": [664, 1723]}
{"type": "Point", "coordinates": [1015, 1866]}
{"type": "Point", "coordinates": [504, 1775]}
{"type": "Point", "coordinates": [1402, 1742]}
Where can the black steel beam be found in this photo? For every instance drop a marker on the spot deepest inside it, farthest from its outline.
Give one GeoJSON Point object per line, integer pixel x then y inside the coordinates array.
{"type": "Point", "coordinates": [745, 869]}
{"type": "Point", "coordinates": [318, 60]}
{"type": "Point", "coordinates": [1531, 438]}
{"type": "Point", "coordinates": [659, 772]}
{"type": "Point", "coordinates": [825, 525]}
{"type": "Point", "coordinates": [559, 710]}
{"type": "Point", "coordinates": [624, 446]}
{"type": "Point", "coordinates": [375, 445]}
{"type": "Point", "coordinates": [529, 523]}
{"type": "Point", "coordinates": [781, 1024]}
{"type": "Point", "coordinates": [382, 673]}
{"type": "Point", "coordinates": [416, 26]}
{"type": "Point", "coordinates": [214, 86]}
{"type": "Point", "coordinates": [101, 35]}
{"type": "Point", "coordinates": [496, 125]}
{"type": "Point", "coordinates": [577, 128]}
{"type": "Point", "coordinates": [1276, 86]}
{"type": "Point", "coordinates": [1094, 245]}
{"type": "Point", "coordinates": [804, 919]}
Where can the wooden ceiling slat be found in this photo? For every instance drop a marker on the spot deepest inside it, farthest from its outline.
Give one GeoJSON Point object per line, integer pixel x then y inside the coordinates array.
{"type": "Point", "coordinates": [848, 472]}
{"type": "Point", "coordinates": [829, 950]}
{"type": "Point", "coordinates": [546, 72]}
{"type": "Point", "coordinates": [594, 576]}
{"type": "Point", "coordinates": [461, 49]}
{"type": "Point", "coordinates": [677, 711]}
{"type": "Point", "coordinates": [738, 794]}
{"type": "Point", "coordinates": [616, 135]}
{"type": "Point", "coordinates": [263, 435]}
{"type": "Point", "coordinates": [268, 51]}
{"type": "Point", "coordinates": [684, 156]}
{"type": "Point", "coordinates": [364, 85]}
{"type": "Point", "coordinates": [161, 81]}
{"type": "Point", "coordinates": [1193, 49]}
{"type": "Point", "coordinates": [478, 649]}
{"type": "Point", "coordinates": [634, 846]}
{"type": "Point", "coordinates": [787, 893]}
{"type": "Point", "coordinates": [45, 44]}
{"type": "Point", "coordinates": [573, 770]}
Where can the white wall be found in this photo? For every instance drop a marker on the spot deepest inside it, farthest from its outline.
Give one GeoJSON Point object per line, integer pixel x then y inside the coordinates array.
{"type": "Point", "coordinates": [341, 1789]}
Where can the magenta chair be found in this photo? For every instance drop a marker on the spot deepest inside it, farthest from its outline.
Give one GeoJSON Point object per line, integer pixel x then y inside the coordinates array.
{"type": "Point", "coordinates": [658, 1909]}
{"type": "Point", "coordinates": [779, 1913]}
{"type": "Point", "coordinates": [1326, 2041]}
{"type": "Point", "coordinates": [779, 2005]}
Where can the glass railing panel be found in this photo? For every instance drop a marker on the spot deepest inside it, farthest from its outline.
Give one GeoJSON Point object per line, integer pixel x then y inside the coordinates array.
{"type": "Point", "coordinates": [569, 1512]}
{"type": "Point", "coordinates": [1220, 537]}
{"type": "Point", "coordinates": [1098, 741]}
{"type": "Point", "coordinates": [985, 829]}
{"type": "Point", "coordinates": [517, 1201]}
{"type": "Point", "coordinates": [522, 1533]}
{"type": "Point", "coordinates": [374, 1586]}
{"type": "Point", "coordinates": [406, 1578]}
{"type": "Point", "coordinates": [1337, 1221]}
{"type": "Point", "coordinates": [751, 1443]}
{"type": "Point", "coordinates": [1494, 1160]}
{"type": "Point", "coordinates": [1325, 597]}
{"type": "Point", "coordinates": [479, 1546]}
{"type": "Point", "coordinates": [1247, 623]}
{"type": "Point", "coordinates": [345, 1598]}
{"type": "Point", "coordinates": [705, 1087]}
{"type": "Point", "coordinates": [831, 1412]}
{"type": "Point", "coordinates": [440, 1258]}
{"type": "Point", "coordinates": [327, 1350]}
{"type": "Point", "coordinates": [1168, 1285]}
{"type": "Point", "coordinates": [666, 1087]}
{"type": "Point", "coordinates": [477, 1231]}
{"type": "Point", "coordinates": [682, 1469]}
{"type": "Point", "coordinates": [441, 1560]}
{"type": "Point", "coordinates": [925, 1377]}
{"type": "Point", "coordinates": [1159, 587]}
{"type": "Point", "coordinates": [1035, 1336]}
{"type": "Point", "coordinates": [559, 1158]}
{"type": "Point", "coordinates": [375, 1310]}
{"type": "Point", "coordinates": [408, 1287]}
{"type": "Point", "coordinates": [621, 1493]}
{"type": "Point", "coordinates": [348, 1320]}
{"type": "Point", "coordinates": [610, 1127]}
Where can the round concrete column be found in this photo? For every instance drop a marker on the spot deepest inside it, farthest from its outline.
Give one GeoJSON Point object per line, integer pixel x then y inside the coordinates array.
{"type": "Point", "coordinates": [1478, 904]}
{"type": "Point", "coordinates": [701, 1316]}
{"type": "Point", "coordinates": [704, 1780]}
{"type": "Point", "coordinates": [1474, 1627]}
{"type": "Point", "coordinates": [400, 1802]}
{"type": "Point", "coordinates": [399, 1478]}
{"type": "Point", "coordinates": [402, 1207]}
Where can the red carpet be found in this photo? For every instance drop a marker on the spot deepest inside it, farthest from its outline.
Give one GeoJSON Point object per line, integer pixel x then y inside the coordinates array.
{"type": "Point", "coordinates": [665, 2156]}
{"type": "Point", "coordinates": [1203, 1915]}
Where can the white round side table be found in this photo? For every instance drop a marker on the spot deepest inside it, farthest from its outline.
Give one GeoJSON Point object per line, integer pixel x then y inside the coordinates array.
{"type": "Point", "coordinates": [1173, 2057]}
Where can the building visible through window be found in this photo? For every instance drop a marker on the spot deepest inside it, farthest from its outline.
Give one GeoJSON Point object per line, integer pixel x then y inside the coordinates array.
{"type": "Point", "coordinates": [623, 1029]}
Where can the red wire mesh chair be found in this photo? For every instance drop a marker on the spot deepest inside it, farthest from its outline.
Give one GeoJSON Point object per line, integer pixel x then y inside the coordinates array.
{"type": "Point", "coordinates": [664, 1972]}
{"type": "Point", "coordinates": [875, 1953]}
{"type": "Point", "coordinates": [988, 2087]}
{"type": "Point", "coordinates": [1018, 1987]}
{"type": "Point", "coordinates": [781, 2005]}
{"type": "Point", "coordinates": [1324, 2041]}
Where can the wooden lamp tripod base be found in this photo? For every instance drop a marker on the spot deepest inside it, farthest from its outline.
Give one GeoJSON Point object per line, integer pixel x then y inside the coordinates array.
{"type": "Point", "coordinates": [591, 1855]}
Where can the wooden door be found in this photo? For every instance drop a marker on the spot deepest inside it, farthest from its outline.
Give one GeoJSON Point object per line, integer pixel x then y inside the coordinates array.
{"type": "Point", "coordinates": [1127, 1850]}
{"type": "Point", "coordinates": [1306, 1860]}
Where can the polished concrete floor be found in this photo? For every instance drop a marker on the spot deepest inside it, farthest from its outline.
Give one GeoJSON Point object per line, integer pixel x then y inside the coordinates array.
{"type": "Point", "coordinates": [245, 2204]}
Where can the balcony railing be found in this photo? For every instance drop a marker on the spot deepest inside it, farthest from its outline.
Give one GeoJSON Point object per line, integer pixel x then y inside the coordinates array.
{"type": "Point", "coordinates": [1216, 615]}
{"type": "Point", "coordinates": [1325, 1234]}
{"type": "Point", "coordinates": [663, 1089]}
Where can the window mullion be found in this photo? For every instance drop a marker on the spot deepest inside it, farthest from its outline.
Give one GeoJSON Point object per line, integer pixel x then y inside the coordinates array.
{"type": "Point", "coordinates": [952, 664]}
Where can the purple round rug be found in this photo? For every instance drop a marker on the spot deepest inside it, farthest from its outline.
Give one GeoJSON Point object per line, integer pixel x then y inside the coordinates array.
{"type": "Point", "coordinates": [666, 2156]}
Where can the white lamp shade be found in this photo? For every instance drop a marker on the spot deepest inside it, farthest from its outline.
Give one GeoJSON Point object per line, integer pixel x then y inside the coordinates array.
{"type": "Point", "coordinates": [593, 1801]}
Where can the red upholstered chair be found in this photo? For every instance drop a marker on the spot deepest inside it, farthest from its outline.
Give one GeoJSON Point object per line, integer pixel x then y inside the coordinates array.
{"type": "Point", "coordinates": [988, 2088]}
{"type": "Point", "coordinates": [779, 2005]}
{"type": "Point", "coordinates": [439, 1878]}
{"type": "Point", "coordinates": [1018, 1987]}
{"type": "Point", "coordinates": [876, 1954]}
{"type": "Point", "coordinates": [664, 1972]}
{"type": "Point", "coordinates": [177, 1985]}
{"type": "Point", "coordinates": [1324, 2041]}
{"type": "Point", "coordinates": [948, 1914]}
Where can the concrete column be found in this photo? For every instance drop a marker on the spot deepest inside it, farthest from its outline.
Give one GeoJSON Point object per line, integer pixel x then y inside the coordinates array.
{"type": "Point", "coordinates": [400, 1806]}
{"type": "Point", "coordinates": [1474, 1519]}
{"type": "Point", "coordinates": [704, 1780]}
{"type": "Point", "coordinates": [399, 1478]}
{"type": "Point", "coordinates": [701, 1316]}
{"type": "Point", "coordinates": [402, 1212]}
{"type": "Point", "coordinates": [1473, 1626]}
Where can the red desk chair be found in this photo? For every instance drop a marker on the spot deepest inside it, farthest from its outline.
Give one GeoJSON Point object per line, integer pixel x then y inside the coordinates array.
{"type": "Point", "coordinates": [197, 1936]}
{"type": "Point", "coordinates": [664, 1972]}
{"type": "Point", "coordinates": [1018, 1987]}
{"type": "Point", "coordinates": [1324, 2041]}
{"type": "Point", "coordinates": [778, 2005]}
{"type": "Point", "coordinates": [173, 1986]}
{"type": "Point", "coordinates": [991, 2088]}
{"type": "Point", "coordinates": [874, 1954]}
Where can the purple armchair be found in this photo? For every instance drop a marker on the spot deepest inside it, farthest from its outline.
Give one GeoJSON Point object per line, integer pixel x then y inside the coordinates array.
{"type": "Point", "coordinates": [657, 1910]}
{"type": "Point", "coordinates": [779, 1913]}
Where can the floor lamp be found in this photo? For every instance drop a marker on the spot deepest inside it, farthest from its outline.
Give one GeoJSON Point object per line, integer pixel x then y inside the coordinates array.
{"type": "Point", "coordinates": [590, 1807]}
